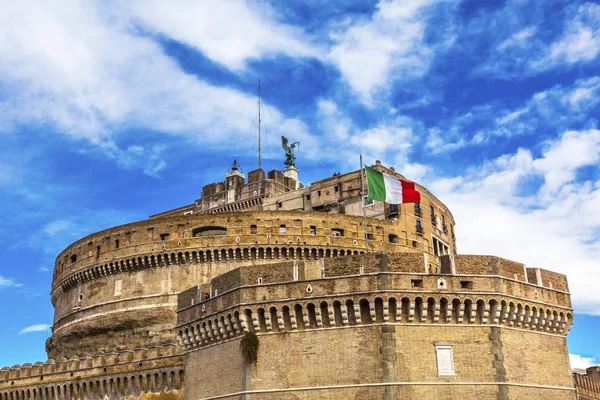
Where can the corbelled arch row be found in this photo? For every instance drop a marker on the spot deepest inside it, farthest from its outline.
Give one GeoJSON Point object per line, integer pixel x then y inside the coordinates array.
{"type": "Point", "coordinates": [212, 255]}
{"type": "Point", "coordinates": [344, 311]}
{"type": "Point", "coordinates": [97, 388]}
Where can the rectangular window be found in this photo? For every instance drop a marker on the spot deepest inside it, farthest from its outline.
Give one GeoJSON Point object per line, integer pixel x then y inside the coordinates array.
{"type": "Point", "coordinates": [279, 205]}
{"type": "Point", "coordinates": [319, 193]}
{"type": "Point", "coordinates": [337, 189]}
{"type": "Point", "coordinates": [253, 229]}
{"type": "Point", "coordinates": [282, 229]}
{"type": "Point", "coordinates": [97, 252]}
{"type": "Point", "coordinates": [313, 230]}
{"type": "Point", "coordinates": [416, 283]}
{"type": "Point", "coordinates": [417, 208]}
{"type": "Point", "coordinates": [164, 236]}
{"type": "Point", "coordinates": [445, 360]}
{"type": "Point", "coordinates": [415, 243]}
{"type": "Point", "coordinates": [466, 285]}
{"type": "Point", "coordinates": [116, 243]}
{"type": "Point", "coordinates": [337, 232]}
{"type": "Point", "coordinates": [308, 197]}
{"type": "Point", "coordinates": [418, 227]}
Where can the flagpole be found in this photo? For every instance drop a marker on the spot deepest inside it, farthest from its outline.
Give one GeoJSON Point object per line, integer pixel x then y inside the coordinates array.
{"type": "Point", "coordinates": [362, 186]}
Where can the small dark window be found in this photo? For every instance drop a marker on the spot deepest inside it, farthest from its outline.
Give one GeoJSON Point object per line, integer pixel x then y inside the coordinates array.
{"type": "Point", "coordinates": [394, 238]}
{"type": "Point", "coordinates": [337, 188]}
{"type": "Point", "coordinates": [418, 226]}
{"type": "Point", "coordinates": [279, 205]}
{"type": "Point", "coordinates": [318, 193]}
{"type": "Point", "coordinates": [116, 243]}
{"type": "Point", "coordinates": [73, 258]}
{"type": "Point", "coordinates": [308, 197]}
{"type": "Point", "coordinates": [337, 232]}
{"type": "Point", "coordinates": [164, 236]}
{"type": "Point", "coordinates": [282, 229]}
{"type": "Point", "coordinates": [369, 236]}
{"type": "Point", "coordinates": [416, 283]}
{"type": "Point", "coordinates": [313, 230]}
{"type": "Point", "coordinates": [415, 243]}
{"type": "Point", "coordinates": [253, 229]}
{"type": "Point", "coordinates": [97, 252]}
{"type": "Point", "coordinates": [466, 284]}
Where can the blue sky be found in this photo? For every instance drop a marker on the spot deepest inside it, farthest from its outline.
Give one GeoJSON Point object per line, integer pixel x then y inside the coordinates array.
{"type": "Point", "coordinates": [112, 111]}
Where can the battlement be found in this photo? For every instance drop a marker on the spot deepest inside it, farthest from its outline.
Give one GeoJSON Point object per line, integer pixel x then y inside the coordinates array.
{"type": "Point", "coordinates": [87, 362]}
{"type": "Point", "coordinates": [116, 375]}
{"type": "Point", "coordinates": [367, 289]}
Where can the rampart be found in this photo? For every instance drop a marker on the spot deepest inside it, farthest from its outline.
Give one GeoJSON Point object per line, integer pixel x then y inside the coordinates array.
{"type": "Point", "coordinates": [389, 312]}
{"type": "Point", "coordinates": [140, 374]}
{"type": "Point", "coordinates": [588, 384]}
{"type": "Point", "coordinates": [126, 279]}
{"type": "Point", "coordinates": [347, 291]}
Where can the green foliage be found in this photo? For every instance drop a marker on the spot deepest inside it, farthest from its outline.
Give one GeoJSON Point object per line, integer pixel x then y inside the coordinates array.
{"type": "Point", "coordinates": [249, 347]}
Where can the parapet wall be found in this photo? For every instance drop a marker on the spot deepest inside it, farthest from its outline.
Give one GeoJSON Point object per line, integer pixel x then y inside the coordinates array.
{"type": "Point", "coordinates": [364, 290]}
{"type": "Point", "coordinates": [137, 373]}
{"type": "Point", "coordinates": [587, 386]}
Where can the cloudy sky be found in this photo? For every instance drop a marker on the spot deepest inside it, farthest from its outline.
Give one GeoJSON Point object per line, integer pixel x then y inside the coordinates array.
{"type": "Point", "coordinates": [111, 111]}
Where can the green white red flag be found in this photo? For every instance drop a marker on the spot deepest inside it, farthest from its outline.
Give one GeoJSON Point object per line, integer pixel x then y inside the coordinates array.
{"type": "Point", "coordinates": [390, 189]}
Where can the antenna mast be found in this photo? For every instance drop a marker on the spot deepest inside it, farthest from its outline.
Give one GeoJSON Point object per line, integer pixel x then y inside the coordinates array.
{"type": "Point", "coordinates": [259, 124]}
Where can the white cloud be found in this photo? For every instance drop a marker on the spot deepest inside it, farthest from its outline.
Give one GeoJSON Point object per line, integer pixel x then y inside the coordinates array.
{"type": "Point", "coordinates": [389, 46]}
{"type": "Point", "coordinates": [557, 232]}
{"type": "Point", "coordinates": [580, 41]}
{"type": "Point", "coordinates": [227, 32]}
{"type": "Point", "coordinates": [551, 110]}
{"type": "Point", "coordinates": [388, 140]}
{"type": "Point", "coordinates": [5, 282]}
{"type": "Point", "coordinates": [519, 39]}
{"type": "Point", "coordinates": [578, 361]}
{"type": "Point", "coordinates": [57, 226]}
{"type": "Point", "coordinates": [563, 157]}
{"type": "Point", "coordinates": [83, 70]}
{"type": "Point", "coordinates": [35, 328]}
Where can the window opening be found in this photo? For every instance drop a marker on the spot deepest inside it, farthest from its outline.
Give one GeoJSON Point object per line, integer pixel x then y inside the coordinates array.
{"type": "Point", "coordinates": [416, 283]}
{"type": "Point", "coordinates": [337, 232]}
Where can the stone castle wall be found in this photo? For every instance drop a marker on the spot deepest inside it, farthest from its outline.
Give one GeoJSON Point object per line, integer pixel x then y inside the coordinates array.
{"type": "Point", "coordinates": [149, 373]}
{"type": "Point", "coordinates": [369, 330]}
{"type": "Point", "coordinates": [126, 279]}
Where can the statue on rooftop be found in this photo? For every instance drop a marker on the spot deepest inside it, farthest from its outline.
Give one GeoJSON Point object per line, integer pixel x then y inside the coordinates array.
{"type": "Point", "coordinates": [290, 158]}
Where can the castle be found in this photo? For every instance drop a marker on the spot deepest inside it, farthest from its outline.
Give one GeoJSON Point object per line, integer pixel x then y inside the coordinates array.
{"type": "Point", "coordinates": [165, 308]}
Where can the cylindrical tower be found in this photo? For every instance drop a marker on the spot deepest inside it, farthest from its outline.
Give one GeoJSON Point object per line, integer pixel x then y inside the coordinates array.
{"type": "Point", "coordinates": [117, 289]}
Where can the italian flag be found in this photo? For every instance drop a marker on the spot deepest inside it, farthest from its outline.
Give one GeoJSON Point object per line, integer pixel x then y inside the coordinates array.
{"type": "Point", "coordinates": [390, 189]}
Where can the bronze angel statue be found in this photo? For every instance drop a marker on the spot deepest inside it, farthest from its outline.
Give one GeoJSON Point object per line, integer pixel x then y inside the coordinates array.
{"type": "Point", "coordinates": [290, 158]}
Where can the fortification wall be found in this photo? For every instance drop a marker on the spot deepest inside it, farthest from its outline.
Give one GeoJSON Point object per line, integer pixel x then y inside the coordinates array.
{"type": "Point", "coordinates": [372, 327]}
{"type": "Point", "coordinates": [377, 361]}
{"type": "Point", "coordinates": [587, 385]}
{"type": "Point", "coordinates": [124, 280]}
{"type": "Point", "coordinates": [148, 373]}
